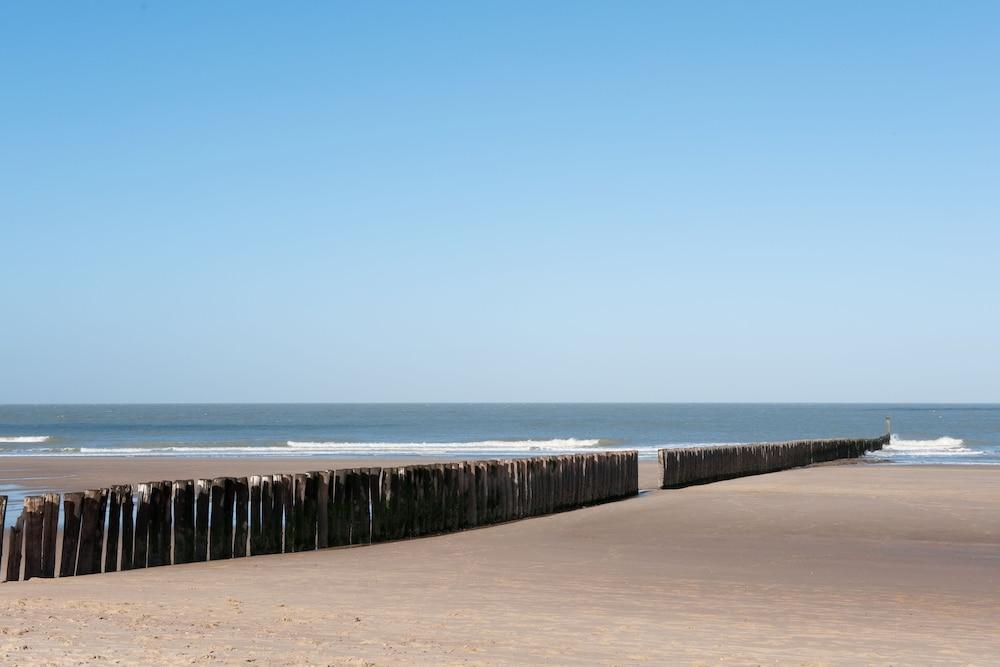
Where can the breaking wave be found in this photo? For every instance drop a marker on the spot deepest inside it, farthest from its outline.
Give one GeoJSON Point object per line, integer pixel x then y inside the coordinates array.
{"type": "Point", "coordinates": [943, 446]}
{"type": "Point", "coordinates": [332, 448]}
{"type": "Point", "coordinates": [509, 447]}
{"type": "Point", "coordinates": [23, 439]}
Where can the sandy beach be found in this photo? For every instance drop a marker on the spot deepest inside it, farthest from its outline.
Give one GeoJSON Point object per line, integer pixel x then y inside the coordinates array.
{"type": "Point", "coordinates": [831, 564]}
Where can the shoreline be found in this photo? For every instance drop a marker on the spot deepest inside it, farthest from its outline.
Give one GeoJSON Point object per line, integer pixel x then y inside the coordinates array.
{"type": "Point", "coordinates": [62, 474]}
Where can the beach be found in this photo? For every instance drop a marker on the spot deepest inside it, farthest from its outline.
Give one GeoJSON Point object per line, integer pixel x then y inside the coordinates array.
{"type": "Point", "coordinates": [827, 564]}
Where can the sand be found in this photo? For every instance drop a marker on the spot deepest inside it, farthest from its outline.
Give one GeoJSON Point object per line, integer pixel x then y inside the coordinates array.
{"type": "Point", "coordinates": [832, 564]}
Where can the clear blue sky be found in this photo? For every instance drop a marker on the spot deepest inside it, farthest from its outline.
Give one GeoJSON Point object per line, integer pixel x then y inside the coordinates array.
{"type": "Point", "coordinates": [472, 201]}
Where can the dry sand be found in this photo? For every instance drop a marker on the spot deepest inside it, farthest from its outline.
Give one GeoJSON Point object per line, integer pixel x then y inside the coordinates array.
{"type": "Point", "coordinates": [832, 564]}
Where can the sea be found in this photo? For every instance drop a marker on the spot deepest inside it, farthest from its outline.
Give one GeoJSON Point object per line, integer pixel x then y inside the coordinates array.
{"type": "Point", "coordinates": [922, 433]}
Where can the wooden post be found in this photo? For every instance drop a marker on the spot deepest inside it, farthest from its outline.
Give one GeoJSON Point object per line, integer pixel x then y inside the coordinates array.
{"type": "Point", "coordinates": [372, 493]}
{"type": "Point", "coordinates": [361, 528]}
{"type": "Point", "coordinates": [216, 538]}
{"type": "Point", "coordinates": [203, 504]}
{"type": "Point", "coordinates": [166, 521]}
{"type": "Point", "coordinates": [154, 542]}
{"type": "Point", "coordinates": [385, 513]}
{"type": "Point", "coordinates": [103, 513]}
{"type": "Point", "coordinates": [415, 499]}
{"type": "Point", "coordinates": [404, 504]}
{"type": "Point", "coordinates": [72, 509]}
{"type": "Point", "coordinates": [382, 507]}
{"type": "Point", "coordinates": [114, 525]}
{"type": "Point", "coordinates": [50, 527]}
{"type": "Point", "coordinates": [3, 522]}
{"type": "Point", "coordinates": [288, 506]}
{"type": "Point", "coordinates": [242, 499]}
{"type": "Point", "coordinates": [91, 533]}
{"type": "Point", "coordinates": [349, 499]}
{"type": "Point", "coordinates": [335, 509]}
{"type": "Point", "coordinates": [184, 521]}
{"type": "Point", "coordinates": [140, 553]}
{"type": "Point", "coordinates": [267, 514]}
{"type": "Point", "coordinates": [229, 504]}
{"type": "Point", "coordinates": [308, 539]}
{"type": "Point", "coordinates": [34, 512]}
{"type": "Point", "coordinates": [358, 513]}
{"type": "Point", "coordinates": [277, 514]}
{"type": "Point", "coordinates": [256, 543]}
{"type": "Point", "coordinates": [14, 550]}
{"type": "Point", "coordinates": [128, 530]}
{"type": "Point", "coordinates": [154, 557]}
{"type": "Point", "coordinates": [468, 495]}
{"type": "Point", "coordinates": [323, 509]}
{"type": "Point", "coordinates": [299, 483]}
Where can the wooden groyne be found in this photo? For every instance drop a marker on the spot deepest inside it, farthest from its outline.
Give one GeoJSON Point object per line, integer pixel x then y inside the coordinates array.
{"type": "Point", "coordinates": [686, 466]}
{"type": "Point", "coordinates": [171, 522]}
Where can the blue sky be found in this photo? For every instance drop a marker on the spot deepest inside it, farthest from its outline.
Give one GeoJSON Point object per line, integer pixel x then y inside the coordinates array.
{"type": "Point", "coordinates": [656, 201]}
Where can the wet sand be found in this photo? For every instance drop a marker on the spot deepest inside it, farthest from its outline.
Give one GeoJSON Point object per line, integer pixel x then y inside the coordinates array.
{"type": "Point", "coordinates": [832, 564]}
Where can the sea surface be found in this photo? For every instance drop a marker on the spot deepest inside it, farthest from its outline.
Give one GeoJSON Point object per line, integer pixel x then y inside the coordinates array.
{"type": "Point", "coordinates": [947, 433]}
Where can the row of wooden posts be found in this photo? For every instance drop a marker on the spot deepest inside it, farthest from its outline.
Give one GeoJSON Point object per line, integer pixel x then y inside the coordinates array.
{"type": "Point", "coordinates": [685, 466]}
{"type": "Point", "coordinates": [160, 523]}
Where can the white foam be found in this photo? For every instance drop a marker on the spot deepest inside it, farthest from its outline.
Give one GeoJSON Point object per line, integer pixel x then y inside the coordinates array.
{"type": "Point", "coordinates": [943, 446]}
{"type": "Point", "coordinates": [23, 438]}
{"type": "Point", "coordinates": [360, 449]}
{"type": "Point", "coordinates": [440, 448]}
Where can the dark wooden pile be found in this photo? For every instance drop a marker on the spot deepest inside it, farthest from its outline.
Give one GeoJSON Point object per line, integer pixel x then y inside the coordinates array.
{"type": "Point", "coordinates": [185, 521]}
{"type": "Point", "coordinates": [685, 466]}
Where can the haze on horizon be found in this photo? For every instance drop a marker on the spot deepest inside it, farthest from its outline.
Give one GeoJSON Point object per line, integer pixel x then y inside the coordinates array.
{"type": "Point", "coordinates": [499, 202]}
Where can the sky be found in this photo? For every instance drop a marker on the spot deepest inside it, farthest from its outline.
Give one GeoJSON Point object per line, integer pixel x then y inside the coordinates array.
{"type": "Point", "coordinates": [499, 201]}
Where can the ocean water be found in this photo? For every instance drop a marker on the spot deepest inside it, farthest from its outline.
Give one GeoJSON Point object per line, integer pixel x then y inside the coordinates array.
{"type": "Point", "coordinates": [948, 433]}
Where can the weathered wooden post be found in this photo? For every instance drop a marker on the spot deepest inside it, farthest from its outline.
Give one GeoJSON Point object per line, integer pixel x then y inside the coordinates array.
{"type": "Point", "coordinates": [241, 533]}
{"type": "Point", "coordinates": [323, 509]}
{"type": "Point", "coordinates": [34, 513]}
{"type": "Point", "coordinates": [369, 492]}
{"type": "Point", "coordinates": [340, 509]}
{"type": "Point", "coordinates": [288, 507]}
{"type": "Point", "coordinates": [229, 505]}
{"type": "Point", "coordinates": [155, 555]}
{"type": "Point", "coordinates": [312, 509]}
{"type": "Point", "coordinates": [202, 511]}
{"type": "Point", "coordinates": [3, 522]}
{"type": "Point", "coordinates": [91, 532]}
{"type": "Point", "coordinates": [128, 530]}
{"type": "Point", "coordinates": [298, 512]}
{"type": "Point", "coordinates": [277, 529]}
{"type": "Point", "coordinates": [166, 521]}
{"type": "Point", "coordinates": [184, 521]}
{"type": "Point", "coordinates": [469, 494]}
{"type": "Point", "coordinates": [72, 508]}
{"type": "Point", "coordinates": [114, 526]}
{"type": "Point", "coordinates": [216, 536]}
{"type": "Point", "coordinates": [402, 504]}
{"type": "Point", "coordinates": [256, 543]}
{"type": "Point", "coordinates": [307, 531]}
{"type": "Point", "coordinates": [367, 482]}
{"type": "Point", "coordinates": [140, 554]}
{"type": "Point", "coordinates": [384, 505]}
{"type": "Point", "coordinates": [407, 503]}
{"type": "Point", "coordinates": [50, 527]}
{"type": "Point", "coordinates": [16, 535]}
{"type": "Point", "coordinates": [267, 518]}
{"type": "Point", "coordinates": [444, 497]}
{"type": "Point", "coordinates": [418, 513]}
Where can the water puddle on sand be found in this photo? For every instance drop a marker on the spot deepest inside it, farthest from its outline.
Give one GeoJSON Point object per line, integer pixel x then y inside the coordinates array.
{"type": "Point", "coordinates": [16, 493]}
